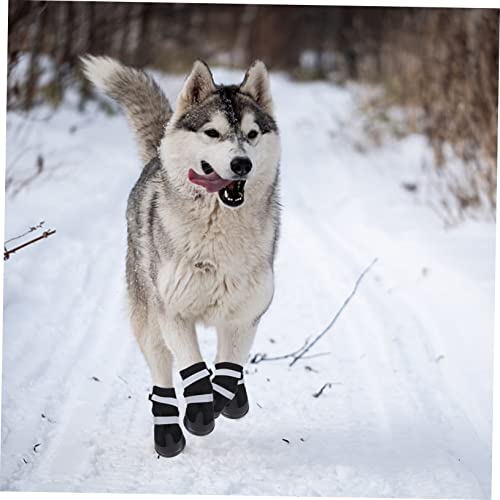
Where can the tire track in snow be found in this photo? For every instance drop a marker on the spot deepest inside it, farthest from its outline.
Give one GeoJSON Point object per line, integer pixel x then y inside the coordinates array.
{"type": "Point", "coordinates": [72, 358]}
{"type": "Point", "coordinates": [429, 399]}
{"type": "Point", "coordinates": [95, 340]}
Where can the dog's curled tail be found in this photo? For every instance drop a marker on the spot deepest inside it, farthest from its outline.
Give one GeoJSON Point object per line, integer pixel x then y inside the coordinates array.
{"type": "Point", "coordinates": [145, 105]}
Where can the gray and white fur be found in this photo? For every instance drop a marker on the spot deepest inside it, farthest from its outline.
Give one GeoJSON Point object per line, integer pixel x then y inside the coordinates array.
{"type": "Point", "coordinates": [191, 258]}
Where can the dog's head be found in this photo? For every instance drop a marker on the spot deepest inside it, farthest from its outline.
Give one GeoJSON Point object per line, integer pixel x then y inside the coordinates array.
{"type": "Point", "coordinates": [222, 140]}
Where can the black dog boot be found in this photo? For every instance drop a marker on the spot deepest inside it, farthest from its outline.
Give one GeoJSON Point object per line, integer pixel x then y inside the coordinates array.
{"type": "Point", "coordinates": [225, 384]}
{"type": "Point", "coordinates": [169, 440]}
{"type": "Point", "coordinates": [238, 406]}
{"type": "Point", "coordinates": [199, 417]}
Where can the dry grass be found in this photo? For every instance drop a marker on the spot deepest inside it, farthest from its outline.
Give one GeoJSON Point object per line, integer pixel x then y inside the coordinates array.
{"type": "Point", "coordinates": [446, 62]}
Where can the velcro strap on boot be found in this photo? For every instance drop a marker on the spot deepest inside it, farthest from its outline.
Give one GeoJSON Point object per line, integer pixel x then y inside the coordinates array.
{"type": "Point", "coordinates": [196, 383]}
{"type": "Point", "coordinates": [163, 400]}
{"type": "Point", "coordinates": [165, 406]}
{"type": "Point", "coordinates": [225, 383]}
{"type": "Point", "coordinates": [226, 372]}
{"type": "Point", "coordinates": [204, 372]}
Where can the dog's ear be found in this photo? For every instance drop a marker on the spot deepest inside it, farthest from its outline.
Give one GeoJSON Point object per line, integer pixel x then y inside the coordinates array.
{"type": "Point", "coordinates": [256, 85]}
{"type": "Point", "coordinates": [197, 87]}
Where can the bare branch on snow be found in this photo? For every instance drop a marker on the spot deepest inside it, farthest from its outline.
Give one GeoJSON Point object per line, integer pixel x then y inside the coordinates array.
{"type": "Point", "coordinates": [299, 353]}
{"type": "Point", "coordinates": [30, 230]}
{"type": "Point", "coordinates": [44, 235]}
{"type": "Point", "coordinates": [318, 394]}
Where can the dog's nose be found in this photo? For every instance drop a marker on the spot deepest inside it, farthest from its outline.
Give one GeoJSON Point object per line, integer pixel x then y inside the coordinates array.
{"type": "Point", "coordinates": [241, 165]}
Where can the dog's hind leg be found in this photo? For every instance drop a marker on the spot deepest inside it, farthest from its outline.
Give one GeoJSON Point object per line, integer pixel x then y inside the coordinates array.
{"type": "Point", "coordinates": [234, 341]}
{"type": "Point", "coordinates": [180, 336]}
{"type": "Point", "coordinates": [168, 437]}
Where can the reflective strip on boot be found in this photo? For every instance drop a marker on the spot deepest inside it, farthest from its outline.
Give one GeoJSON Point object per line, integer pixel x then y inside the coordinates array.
{"type": "Point", "coordinates": [166, 420]}
{"type": "Point", "coordinates": [195, 377]}
{"type": "Point", "coordinates": [199, 398]}
{"type": "Point", "coordinates": [223, 392]}
{"type": "Point", "coordinates": [226, 372]}
{"type": "Point", "coordinates": [164, 400]}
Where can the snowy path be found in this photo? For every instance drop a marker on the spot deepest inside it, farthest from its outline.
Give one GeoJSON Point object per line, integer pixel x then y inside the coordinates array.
{"type": "Point", "coordinates": [409, 409]}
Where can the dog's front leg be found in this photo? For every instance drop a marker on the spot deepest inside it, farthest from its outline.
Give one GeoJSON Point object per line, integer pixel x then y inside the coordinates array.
{"type": "Point", "coordinates": [234, 341]}
{"type": "Point", "coordinates": [180, 336]}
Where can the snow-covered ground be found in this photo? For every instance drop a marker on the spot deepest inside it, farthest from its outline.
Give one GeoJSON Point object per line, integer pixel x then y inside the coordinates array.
{"type": "Point", "coordinates": [408, 412]}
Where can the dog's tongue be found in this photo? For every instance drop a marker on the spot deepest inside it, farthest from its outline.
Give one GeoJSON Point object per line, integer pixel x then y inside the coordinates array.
{"type": "Point", "coordinates": [211, 182]}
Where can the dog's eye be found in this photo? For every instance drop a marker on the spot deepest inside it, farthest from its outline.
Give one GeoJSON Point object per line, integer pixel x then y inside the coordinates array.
{"type": "Point", "coordinates": [211, 132]}
{"type": "Point", "coordinates": [252, 134]}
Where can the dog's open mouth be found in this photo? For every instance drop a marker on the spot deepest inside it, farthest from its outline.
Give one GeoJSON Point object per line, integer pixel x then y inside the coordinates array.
{"type": "Point", "coordinates": [231, 193]}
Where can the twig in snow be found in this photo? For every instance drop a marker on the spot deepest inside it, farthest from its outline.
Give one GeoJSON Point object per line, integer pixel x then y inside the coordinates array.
{"type": "Point", "coordinates": [257, 358]}
{"type": "Point", "coordinates": [285, 440]}
{"type": "Point", "coordinates": [48, 419]}
{"type": "Point", "coordinates": [339, 312]}
{"type": "Point", "coordinates": [30, 230]}
{"type": "Point", "coordinates": [36, 446]}
{"type": "Point", "coordinates": [299, 353]}
{"type": "Point", "coordinates": [318, 394]}
{"type": "Point", "coordinates": [44, 235]}
{"type": "Point", "coordinates": [308, 368]}
{"type": "Point", "coordinates": [319, 354]}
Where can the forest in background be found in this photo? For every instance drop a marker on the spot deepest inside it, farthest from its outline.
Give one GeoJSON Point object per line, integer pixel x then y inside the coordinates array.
{"type": "Point", "coordinates": [441, 63]}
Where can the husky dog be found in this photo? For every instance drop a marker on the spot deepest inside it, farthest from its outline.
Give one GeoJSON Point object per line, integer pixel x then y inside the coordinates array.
{"type": "Point", "coordinates": [203, 222]}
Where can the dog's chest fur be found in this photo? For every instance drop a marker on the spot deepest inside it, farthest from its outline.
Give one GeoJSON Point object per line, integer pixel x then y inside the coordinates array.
{"type": "Point", "coordinates": [220, 266]}
{"type": "Point", "coordinates": [199, 260]}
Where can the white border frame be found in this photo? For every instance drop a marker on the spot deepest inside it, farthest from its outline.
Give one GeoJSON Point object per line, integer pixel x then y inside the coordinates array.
{"type": "Point", "coordinates": [355, 3]}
